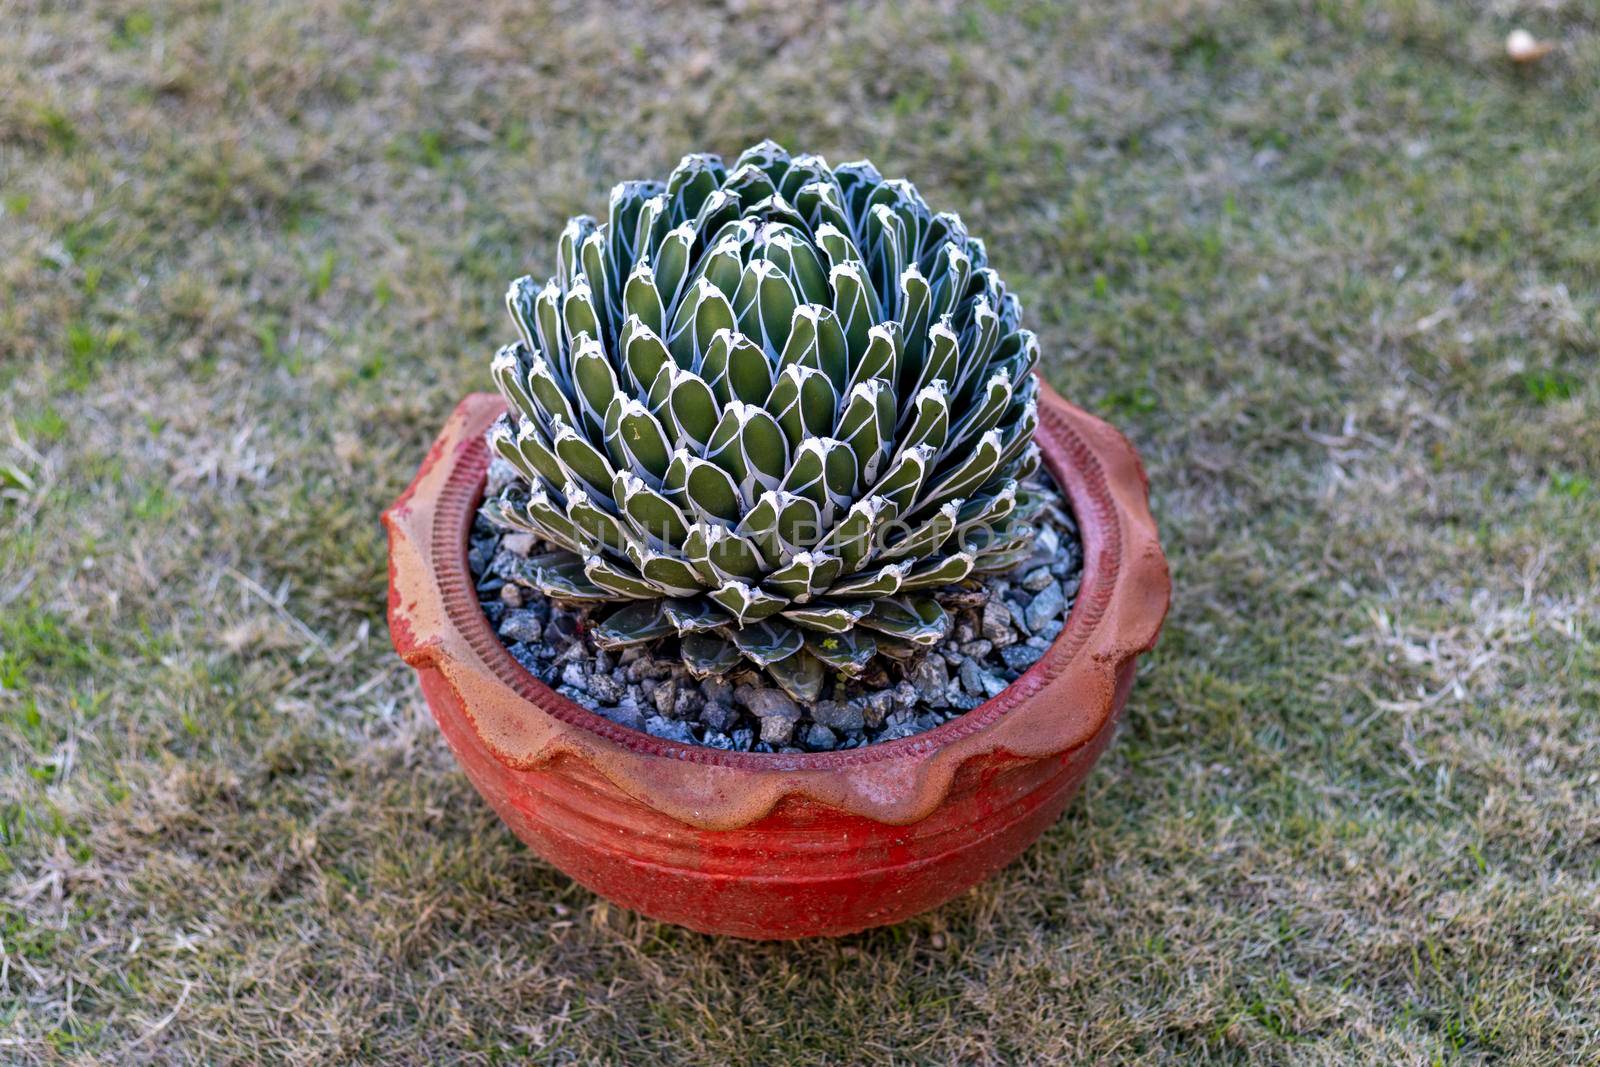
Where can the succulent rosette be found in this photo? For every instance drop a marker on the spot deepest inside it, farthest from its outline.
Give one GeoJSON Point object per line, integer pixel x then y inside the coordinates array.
{"type": "Point", "coordinates": [774, 412]}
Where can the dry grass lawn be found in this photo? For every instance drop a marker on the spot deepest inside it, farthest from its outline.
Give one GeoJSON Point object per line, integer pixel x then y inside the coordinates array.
{"type": "Point", "coordinates": [1332, 264]}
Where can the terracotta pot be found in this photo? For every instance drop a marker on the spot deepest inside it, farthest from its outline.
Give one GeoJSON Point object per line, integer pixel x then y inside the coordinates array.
{"type": "Point", "coordinates": [770, 845]}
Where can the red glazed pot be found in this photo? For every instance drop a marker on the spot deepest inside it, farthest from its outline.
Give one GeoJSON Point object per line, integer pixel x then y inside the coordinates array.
{"type": "Point", "coordinates": [769, 845]}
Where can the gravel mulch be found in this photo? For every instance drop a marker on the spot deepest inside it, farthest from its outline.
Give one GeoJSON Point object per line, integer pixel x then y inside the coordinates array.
{"type": "Point", "coordinates": [1000, 630]}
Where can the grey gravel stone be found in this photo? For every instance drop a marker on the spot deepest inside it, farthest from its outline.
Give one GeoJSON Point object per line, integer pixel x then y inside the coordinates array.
{"type": "Point", "coordinates": [931, 677]}
{"type": "Point", "coordinates": [819, 737]}
{"type": "Point", "coordinates": [577, 696]}
{"type": "Point", "coordinates": [717, 689]}
{"type": "Point", "coordinates": [996, 625]}
{"type": "Point", "coordinates": [669, 729]}
{"type": "Point", "coordinates": [1035, 580]}
{"type": "Point", "coordinates": [1046, 606]}
{"type": "Point", "coordinates": [518, 544]}
{"type": "Point", "coordinates": [768, 704]}
{"type": "Point", "coordinates": [521, 625]}
{"type": "Point", "coordinates": [979, 682]}
{"type": "Point", "coordinates": [977, 649]}
{"type": "Point", "coordinates": [876, 707]}
{"type": "Point", "coordinates": [838, 714]}
{"type": "Point", "coordinates": [1020, 657]}
{"type": "Point", "coordinates": [606, 688]}
{"type": "Point", "coordinates": [574, 675]}
{"type": "Point", "coordinates": [624, 715]}
{"type": "Point", "coordinates": [718, 716]}
{"type": "Point", "coordinates": [777, 729]}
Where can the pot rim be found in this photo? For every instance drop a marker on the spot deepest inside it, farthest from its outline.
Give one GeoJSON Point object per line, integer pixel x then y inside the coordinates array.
{"type": "Point", "coordinates": [1059, 703]}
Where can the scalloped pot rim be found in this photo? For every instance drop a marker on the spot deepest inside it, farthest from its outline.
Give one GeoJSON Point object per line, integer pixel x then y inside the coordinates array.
{"type": "Point", "coordinates": [1058, 704]}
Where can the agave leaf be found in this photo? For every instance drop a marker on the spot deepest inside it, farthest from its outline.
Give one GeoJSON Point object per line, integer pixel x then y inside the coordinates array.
{"type": "Point", "coordinates": [696, 177]}
{"type": "Point", "coordinates": [801, 675]}
{"type": "Point", "coordinates": [1004, 559]}
{"type": "Point", "coordinates": [595, 383]}
{"type": "Point", "coordinates": [882, 581]}
{"type": "Point", "coordinates": [770, 157]}
{"type": "Point", "coordinates": [642, 300]}
{"type": "Point", "coordinates": [857, 179]}
{"type": "Point", "coordinates": [656, 518]}
{"type": "Point", "coordinates": [693, 408]}
{"type": "Point", "coordinates": [882, 357]}
{"type": "Point", "coordinates": [820, 203]}
{"type": "Point", "coordinates": [723, 263]}
{"type": "Point", "coordinates": [902, 482]}
{"type": "Point", "coordinates": [635, 441]}
{"type": "Point", "coordinates": [981, 335]}
{"type": "Point", "coordinates": [917, 619]}
{"type": "Point", "coordinates": [828, 616]}
{"type": "Point", "coordinates": [604, 284]}
{"type": "Point", "coordinates": [702, 313]}
{"type": "Point", "coordinates": [718, 554]}
{"type": "Point", "coordinates": [522, 302]}
{"type": "Point", "coordinates": [537, 464]}
{"type": "Point", "coordinates": [824, 471]}
{"type": "Point", "coordinates": [821, 343]}
{"type": "Point", "coordinates": [946, 571]}
{"type": "Point", "coordinates": [632, 624]}
{"type": "Point", "coordinates": [777, 209]}
{"type": "Point", "coordinates": [652, 224]}
{"type": "Point", "coordinates": [866, 426]}
{"type": "Point", "coordinates": [940, 360]}
{"type": "Point", "coordinates": [720, 208]}
{"type": "Point", "coordinates": [619, 580]}
{"type": "Point", "coordinates": [765, 304]}
{"type": "Point", "coordinates": [848, 653]}
{"type": "Point", "coordinates": [929, 418]}
{"type": "Point", "coordinates": [708, 654]}
{"type": "Point", "coordinates": [672, 264]}
{"type": "Point", "coordinates": [1018, 353]}
{"type": "Point", "coordinates": [747, 603]}
{"type": "Point", "coordinates": [510, 377]}
{"type": "Point", "coordinates": [803, 576]}
{"type": "Point", "coordinates": [980, 419]}
{"type": "Point", "coordinates": [666, 572]}
{"type": "Point", "coordinates": [702, 489]}
{"type": "Point", "coordinates": [926, 539]}
{"type": "Point", "coordinates": [598, 525]}
{"type": "Point", "coordinates": [550, 397]}
{"type": "Point", "coordinates": [915, 306]}
{"type": "Point", "coordinates": [884, 241]}
{"type": "Point", "coordinates": [766, 642]}
{"type": "Point", "coordinates": [854, 539]}
{"type": "Point", "coordinates": [580, 312]}
{"type": "Point", "coordinates": [643, 353]}
{"type": "Point", "coordinates": [804, 403]}
{"type": "Point", "coordinates": [694, 615]}
{"type": "Point", "coordinates": [947, 280]}
{"type": "Point", "coordinates": [568, 267]}
{"type": "Point", "coordinates": [737, 369]}
{"type": "Point", "coordinates": [804, 170]}
{"type": "Point", "coordinates": [751, 447]}
{"type": "Point", "coordinates": [838, 244]}
{"type": "Point", "coordinates": [547, 321]}
{"type": "Point", "coordinates": [631, 203]}
{"type": "Point", "coordinates": [558, 529]}
{"type": "Point", "coordinates": [971, 470]}
{"type": "Point", "coordinates": [750, 184]}
{"type": "Point", "coordinates": [988, 512]}
{"type": "Point", "coordinates": [565, 580]}
{"type": "Point", "coordinates": [583, 463]}
{"type": "Point", "coordinates": [855, 307]}
{"type": "Point", "coordinates": [781, 524]}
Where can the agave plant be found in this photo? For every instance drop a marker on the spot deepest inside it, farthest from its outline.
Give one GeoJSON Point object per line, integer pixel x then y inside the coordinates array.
{"type": "Point", "coordinates": [775, 410]}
